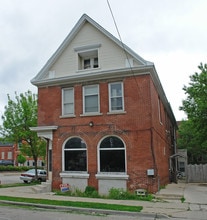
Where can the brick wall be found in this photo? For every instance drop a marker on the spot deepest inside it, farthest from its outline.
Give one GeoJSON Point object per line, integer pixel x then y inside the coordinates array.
{"type": "Point", "coordinates": [147, 146]}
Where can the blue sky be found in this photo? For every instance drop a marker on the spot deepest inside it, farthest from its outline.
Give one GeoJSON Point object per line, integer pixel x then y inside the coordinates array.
{"type": "Point", "coordinates": [171, 34]}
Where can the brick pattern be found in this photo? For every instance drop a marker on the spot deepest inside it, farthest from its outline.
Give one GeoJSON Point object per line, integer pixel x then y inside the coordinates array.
{"type": "Point", "coordinates": [147, 145]}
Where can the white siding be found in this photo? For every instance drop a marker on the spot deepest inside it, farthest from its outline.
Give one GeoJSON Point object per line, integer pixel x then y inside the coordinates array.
{"type": "Point", "coordinates": [111, 56]}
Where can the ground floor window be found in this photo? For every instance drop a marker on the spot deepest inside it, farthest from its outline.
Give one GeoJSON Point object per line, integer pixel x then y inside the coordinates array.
{"type": "Point", "coordinates": [75, 156]}
{"type": "Point", "coordinates": [112, 155]}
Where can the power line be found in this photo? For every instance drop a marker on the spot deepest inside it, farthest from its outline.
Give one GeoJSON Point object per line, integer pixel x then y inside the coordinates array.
{"type": "Point", "coordinates": [123, 46]}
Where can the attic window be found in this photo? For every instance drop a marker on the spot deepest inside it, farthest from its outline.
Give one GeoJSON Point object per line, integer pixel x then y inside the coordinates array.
{"type": "Point", "coordinates": [88, 57]}
{"type": "Point", "coordinates": [88, 60]}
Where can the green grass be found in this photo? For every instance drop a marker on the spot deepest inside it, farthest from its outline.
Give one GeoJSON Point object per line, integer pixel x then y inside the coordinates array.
{"type": "Point", "coordinates": [91, 205]}
{"type": "Point", "coordinates": [17, 184]}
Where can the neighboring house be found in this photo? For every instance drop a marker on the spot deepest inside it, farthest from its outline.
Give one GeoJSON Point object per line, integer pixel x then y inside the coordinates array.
{"type": "Point", "coordinates": [104, 113]}
{"type": "Point", "coordinates": [9, 153]}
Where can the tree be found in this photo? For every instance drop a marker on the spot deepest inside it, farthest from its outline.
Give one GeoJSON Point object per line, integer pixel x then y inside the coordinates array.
{"type": "Point", "coordinates": [192, 133]}
{"type": "Point", "coordinates": [21, 159]}
{"type": "Point", "coordinates": [21, 114]}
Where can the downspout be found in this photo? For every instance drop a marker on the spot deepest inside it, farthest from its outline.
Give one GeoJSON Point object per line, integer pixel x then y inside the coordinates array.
{"type": "Point", "coordinates": [153, 157]}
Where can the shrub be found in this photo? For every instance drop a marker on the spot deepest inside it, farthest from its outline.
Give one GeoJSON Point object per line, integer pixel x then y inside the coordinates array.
{"type": "Point", "coordinates": [115, 193]}
{"type": "Point", "coordinates": [91, 191]}
{"type": "Point", "coordinates": [15, 168]}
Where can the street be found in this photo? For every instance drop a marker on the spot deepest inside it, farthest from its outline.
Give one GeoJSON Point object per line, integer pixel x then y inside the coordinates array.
{"type": "Point", "coordinates": [194, 206]}
{"type": "Point", "coordinates": [17, 213]}
{"type": "Point", "coordinates": [10, 177]}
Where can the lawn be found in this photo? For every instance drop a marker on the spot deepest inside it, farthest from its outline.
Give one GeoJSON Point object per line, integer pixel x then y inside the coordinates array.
{"type": "Point", "coordinates": [90, 205]}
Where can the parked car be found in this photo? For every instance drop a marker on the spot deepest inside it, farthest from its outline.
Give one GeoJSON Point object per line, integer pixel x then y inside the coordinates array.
{"type": "Point", "coordinates": [29, 175]}
{"type": "Point", "coordinates": [6, 163]}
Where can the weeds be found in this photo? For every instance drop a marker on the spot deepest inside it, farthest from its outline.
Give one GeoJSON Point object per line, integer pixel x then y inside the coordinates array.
{"type": "Point", "coordinates": [114, 193]}
{"type": "Point", "coordinates": [182, 199]}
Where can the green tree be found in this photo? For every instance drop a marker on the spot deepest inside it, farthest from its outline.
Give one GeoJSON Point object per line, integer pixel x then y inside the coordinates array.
{"type": "Point", "coordinates": [21, 159]}
{"type": "Point", "coordinates": [192, 133]}
{"type": "Point", "coordinates": [20, 114]}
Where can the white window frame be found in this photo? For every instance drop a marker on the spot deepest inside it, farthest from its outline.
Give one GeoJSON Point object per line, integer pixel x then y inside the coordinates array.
{"type": "Point", "coordinates": [74, 149]}
{"type": "Point", "coordinates": [102, 149]}
{"type": "Point", "coordinates": [91, 61]}
{"type": "Point", "coordinates": [87, 52]}
{"type": "Point", "coordinates": [92, 94]}
{"type": "Point", "coordinates": [9, 155]}
{"type": "Point", "coordinates": [67, 103]}
{"type": "Point", "coordinates": [116, 96]}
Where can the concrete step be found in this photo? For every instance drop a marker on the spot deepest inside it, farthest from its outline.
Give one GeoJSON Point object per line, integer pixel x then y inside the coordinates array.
{"type": "Point", "coordinates": [44, 187]}
{"type": "Point", "coordinates": [168, 196]}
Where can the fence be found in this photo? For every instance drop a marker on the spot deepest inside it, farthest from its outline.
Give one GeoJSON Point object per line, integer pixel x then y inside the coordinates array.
{"type": "Point", "coordinates": [197, 173]}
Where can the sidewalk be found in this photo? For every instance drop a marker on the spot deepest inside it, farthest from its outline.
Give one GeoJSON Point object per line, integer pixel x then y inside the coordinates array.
{"type": "Point", "coordinates": [163, 208]}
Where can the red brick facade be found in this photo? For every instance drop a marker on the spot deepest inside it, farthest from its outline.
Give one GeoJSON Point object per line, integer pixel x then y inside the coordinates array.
{"type": "Point", "coordinates": [7, 152]}
{"type": "Point", "coordinates": [148, 146]}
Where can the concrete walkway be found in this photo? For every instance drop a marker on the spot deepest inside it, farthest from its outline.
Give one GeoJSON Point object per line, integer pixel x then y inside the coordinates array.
{"type": "Point", "coordinates": [194, 206]}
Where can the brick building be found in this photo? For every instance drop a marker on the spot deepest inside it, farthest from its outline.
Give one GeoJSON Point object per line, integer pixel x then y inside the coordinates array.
{"type": "Point", "coordinates": [7, 153]}
{"type": "Point", "coordinates": [104, 113]}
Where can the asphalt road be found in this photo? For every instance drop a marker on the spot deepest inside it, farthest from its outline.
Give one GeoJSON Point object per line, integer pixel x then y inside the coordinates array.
{"type": "Point", "coordinates": [15, 213]}
{"type": "Point", "coordinates": [10, 177]}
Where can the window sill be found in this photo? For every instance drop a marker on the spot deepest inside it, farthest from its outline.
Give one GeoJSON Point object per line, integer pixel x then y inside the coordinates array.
{"type": "Point", "coordinates": [116, 112]}
{"type": "Point", "coordinates": [88, 70]}
{"type": "Point", "coordinates": [68, 116]}
{"type": "Point", "coordinates": [91, 114]}
{"type": "Point", "coordinates": [80, 175]}
{"type": "Point", "coordinates": [112, 176]}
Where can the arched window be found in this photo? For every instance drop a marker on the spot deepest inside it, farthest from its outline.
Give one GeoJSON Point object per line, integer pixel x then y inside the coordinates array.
{"type": "Point", "coordinates": [112, 155]}
{"type": "Point", "coordinates": [75, 158]}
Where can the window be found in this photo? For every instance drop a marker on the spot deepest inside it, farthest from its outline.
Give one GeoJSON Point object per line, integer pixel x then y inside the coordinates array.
{"type": "Point", "coordinates": [116, 98]}
{"type": "Point", "coordinates": [68, 101]}
{"type": "Point", "coordinates": [88, 59]}
{"type": "Point", "coordinates": [112, 155]}
{"type": "Point", "coordinates": [159, 110]}
{"type": "Point", "coordinates": [75, 158]}
{"type": "Point", "coordinates": [89, 63]}
{"type": "Point", "coordinates": [91, 99]}
{"type": "Point", "coordinates": [9, 156]}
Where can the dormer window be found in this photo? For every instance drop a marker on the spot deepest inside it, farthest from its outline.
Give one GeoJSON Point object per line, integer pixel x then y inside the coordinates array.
{"type": "Point", "coordinates": [88, 57]}
{"type": "Point", "coordinates": [89, 63]}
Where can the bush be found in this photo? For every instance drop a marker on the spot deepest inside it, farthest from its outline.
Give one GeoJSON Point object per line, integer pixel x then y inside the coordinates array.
{"type": "Point", "coordinates": [115, 193]}
{"type": "Point", "coordinates": [90, 191]}
{"type": "Point", "coordinates": [15, 168]}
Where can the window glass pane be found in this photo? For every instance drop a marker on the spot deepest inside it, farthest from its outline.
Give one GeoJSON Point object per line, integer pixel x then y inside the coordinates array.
{"type": "Point", "coordinates": [87, 64]}
{"type": "Point", "coordinates": [116, 104]}
{"type": "Point", "coordinates": [75, 143]}
{"type": "Point", "coordinates": [112, 158]}
{"type": "Point", "coordinates": [116, 97]}
{"type": "Point", "coordinates": [90, 90]}
{"type": "Point", "coordinates": [75, 160]}
{"type": "Point", "coordinates": [91, 95]}
{"type": "Point", "coordinates": [68, 95]}
{"type": "Point", "coordinates": [112, 142]}
{"type": "Point", "coordinates": [112, 161]}
{"type": "Point", "coordinates": [116, 90]}
{"type": "Point", "coordinates": [68, 109]}
{"type": "Point", "coordinates": [95, 63]}
{"type": "Point", "coordinates": [91, 103]}
{"type": "Point", "coordinates": [68, 101]}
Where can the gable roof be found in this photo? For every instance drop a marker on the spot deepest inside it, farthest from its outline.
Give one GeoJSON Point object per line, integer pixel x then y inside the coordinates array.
{"type": "Point", "coordinates": [147, 66]}
{"type": "Point", "coordinates": [85, 18]}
